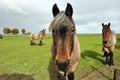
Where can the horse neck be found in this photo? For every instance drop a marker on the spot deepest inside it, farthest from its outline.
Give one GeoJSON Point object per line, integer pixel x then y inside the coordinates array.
{"type": "Point", "coordinates": [111, 38]}
{"type": "Point", "coordinates": [76, 45]}
{"type": "Point", "coordinates": [43, 33]}
{"type": "Point", "coordinates": [110, 35]}
{"type": "Point", "coordinates": [39, 34]}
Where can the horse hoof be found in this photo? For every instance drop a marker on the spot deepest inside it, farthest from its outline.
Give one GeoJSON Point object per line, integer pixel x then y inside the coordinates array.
{"type": "Point", "coordinates": [105, 63]}
{"type": "Point", "coordinates": [40, 44]}
{"type": "Point", "coordinates": [32, 44]}
{"type": "Point", "coordinates": [60, 77]}
{"type": "Point", "coordinates": [111, 64]}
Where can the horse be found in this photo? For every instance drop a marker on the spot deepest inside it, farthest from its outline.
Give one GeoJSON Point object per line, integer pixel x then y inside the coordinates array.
{"type": "Point", "coordinates": [1, 36]}
{"type": "Point", "coordinates": [65, 47]}
{"type": "Point", "coordinates": [108, 42]}
{"type": "Point", "coordinates": [37, 36]}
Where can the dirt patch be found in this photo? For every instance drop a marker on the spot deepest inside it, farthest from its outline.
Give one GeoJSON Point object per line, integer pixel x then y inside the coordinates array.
{"type": "Point", "coordinates": [99, 73]}
{"type": "Point", "coordinates": [16, 77]}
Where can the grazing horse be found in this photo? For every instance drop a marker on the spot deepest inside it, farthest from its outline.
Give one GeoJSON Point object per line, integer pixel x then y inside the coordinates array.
{"type": "Point", "coordinates": [39, 36]}
{"type": "Point", "coordinates": [109, 41]}
{"type": "Point", "coordinates": [65, 47]}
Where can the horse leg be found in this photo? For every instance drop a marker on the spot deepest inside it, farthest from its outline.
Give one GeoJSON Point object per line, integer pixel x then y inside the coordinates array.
{"type": "Point", "coordinates": [105, 54]}
{"type": "Point", "coordinates": [111, 59]}
{"type": "Point", "coordinates": [31, 42]}
{"type": "Point", "coordinates": [61, 76]}
{"type": "Point", "coordinates": [107, 58]}
{"type": "Point", "coordinates": [40, 44]}
{"type": "Point", "coordinates": [72, 69]}
{"type": "Point", "coordinates": [71, 76]}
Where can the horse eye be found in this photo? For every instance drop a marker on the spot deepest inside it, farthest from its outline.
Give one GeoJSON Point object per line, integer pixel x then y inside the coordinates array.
{"type": "Point", "coordinates": [53, 31]}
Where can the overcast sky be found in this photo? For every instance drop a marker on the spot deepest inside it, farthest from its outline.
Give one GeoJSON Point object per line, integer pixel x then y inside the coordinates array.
{"type": "Point", "coordinates": [34, 15]}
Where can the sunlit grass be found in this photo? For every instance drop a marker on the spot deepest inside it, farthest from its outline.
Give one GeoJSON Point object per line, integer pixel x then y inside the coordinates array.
{"type": "Point", "coordinates": [17, 56]}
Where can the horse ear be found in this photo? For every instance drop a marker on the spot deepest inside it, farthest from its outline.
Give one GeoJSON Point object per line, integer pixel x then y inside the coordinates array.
{"type": "Point", "coordinates": [69, 10]}
{"type": "Point", "coordinates": [108, 24]}
{"type": "Point", "coordinates": [55, 10]}
{"type": "Point", "coordinates": [102, 24]}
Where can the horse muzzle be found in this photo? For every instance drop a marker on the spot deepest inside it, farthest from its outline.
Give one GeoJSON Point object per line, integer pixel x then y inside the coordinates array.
{"type": "Point", "coordinates": [63, 66]}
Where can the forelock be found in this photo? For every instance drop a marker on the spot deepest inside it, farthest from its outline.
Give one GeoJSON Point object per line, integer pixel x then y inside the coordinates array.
{"type": "Point", "coordinates": [58, 19]}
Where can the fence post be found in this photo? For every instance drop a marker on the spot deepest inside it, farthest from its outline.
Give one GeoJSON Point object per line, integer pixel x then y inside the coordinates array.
{"type": "Point", "coordinates": [116, 74]}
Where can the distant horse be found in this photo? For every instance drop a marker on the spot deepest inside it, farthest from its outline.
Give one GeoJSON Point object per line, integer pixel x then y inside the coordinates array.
{"type": "Point", "coordinates": [109, 41]}
{"type": "Point", "coordinates": [38, 36]}
{"type": "Point", "coordinates": [1, 36]}
{"type": "Point", "coordinates": [65, 47]}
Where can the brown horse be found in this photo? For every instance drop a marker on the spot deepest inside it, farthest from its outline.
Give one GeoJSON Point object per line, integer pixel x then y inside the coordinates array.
{"type": "Point", "coordinates": [65, 47]}
{"type": "Point", "coordinates": [38, 36]}
{"type": "Point", "coordinates": [109, 41]}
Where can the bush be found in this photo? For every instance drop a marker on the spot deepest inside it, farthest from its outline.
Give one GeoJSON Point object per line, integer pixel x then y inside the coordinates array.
{"type": "Point", "coordinates": [15, 31]}
{"type": "Point", "coordinates": [23, 31]}
{"type": "Point", "coordinates": [6, 30]}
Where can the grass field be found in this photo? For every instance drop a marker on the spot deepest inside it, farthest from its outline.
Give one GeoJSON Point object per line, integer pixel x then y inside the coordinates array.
{"type": "Point", "coordinates": [18, 57]}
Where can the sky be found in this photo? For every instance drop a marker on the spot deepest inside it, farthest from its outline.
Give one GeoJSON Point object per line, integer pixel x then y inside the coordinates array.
{"type": "Point", "coordinates": [35, 15]}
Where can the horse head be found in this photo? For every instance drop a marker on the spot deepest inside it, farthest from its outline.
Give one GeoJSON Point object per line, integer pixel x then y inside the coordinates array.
{"type": "Point", "coordinates": [63, 30]}
{"type": "Point", "coordinates": [44, 32]}
{"type": "Point", "coordinates": [105, 32]}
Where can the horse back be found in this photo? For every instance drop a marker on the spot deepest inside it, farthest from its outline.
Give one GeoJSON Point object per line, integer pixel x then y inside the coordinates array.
{"type": "Point", "coordinates": [34, 36]}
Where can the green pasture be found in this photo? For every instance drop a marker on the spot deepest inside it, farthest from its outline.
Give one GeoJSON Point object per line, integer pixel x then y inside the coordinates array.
{"type": "Point", "coordinates": [18, 57]}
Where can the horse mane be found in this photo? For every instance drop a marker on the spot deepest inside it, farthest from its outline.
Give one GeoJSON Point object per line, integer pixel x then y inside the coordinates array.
{"type": "Point", "coordinates": [58, 19]}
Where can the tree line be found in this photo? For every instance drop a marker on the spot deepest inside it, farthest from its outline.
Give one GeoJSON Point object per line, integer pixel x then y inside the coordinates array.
{"type": "Point", "coordinates": [14, 31]}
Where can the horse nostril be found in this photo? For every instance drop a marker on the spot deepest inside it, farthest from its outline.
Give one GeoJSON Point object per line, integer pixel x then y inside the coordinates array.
{"type": "Point", "coordinates": [67, 62]}
{"type": "Point", "coordinates": [62, 65]}
{"type": "Point", "coordinates": [105, 42]}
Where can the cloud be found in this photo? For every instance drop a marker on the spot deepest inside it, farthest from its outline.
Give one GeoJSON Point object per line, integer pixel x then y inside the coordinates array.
{"type": "Point", "coordinates": [35, 15]}
{"type": "Point", "coordinates": [89, 28]}
{"type": "Point", "coordinates": [11, 6]}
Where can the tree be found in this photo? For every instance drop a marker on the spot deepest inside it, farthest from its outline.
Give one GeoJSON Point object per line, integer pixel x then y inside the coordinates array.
{"type": "Point", "coordinates": [23, 31]}
{"type": "Point", "coordinates": [6, 30]}
{"type": "Point", "coordinates": [15, 31]}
